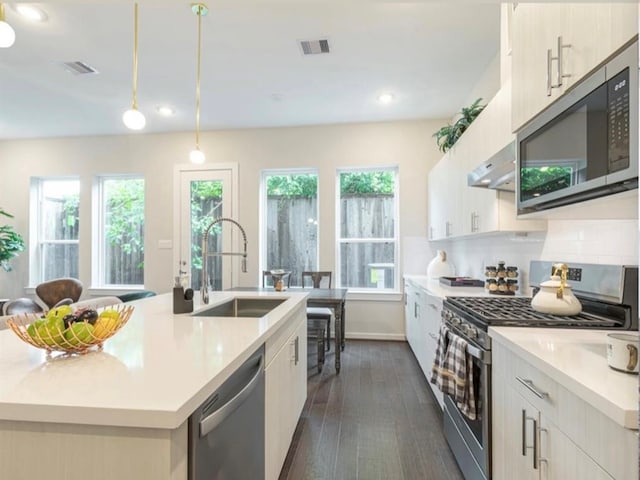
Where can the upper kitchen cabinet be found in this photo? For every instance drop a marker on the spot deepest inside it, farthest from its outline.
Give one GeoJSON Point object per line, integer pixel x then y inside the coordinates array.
{"type": "Point", "coordinates": [555, 45]}
{"type": "Point", "coordinates": [445, 186]}
{"type": "Point", "coordinates": [456, 209]}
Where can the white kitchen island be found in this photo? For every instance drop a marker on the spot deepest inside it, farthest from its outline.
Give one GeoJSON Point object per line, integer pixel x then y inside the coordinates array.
{"type": "Point", "coordinates": [122, 412]}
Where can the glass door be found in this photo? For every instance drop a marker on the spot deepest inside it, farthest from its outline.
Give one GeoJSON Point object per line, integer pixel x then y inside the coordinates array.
{"type": "Point", "coordinates": [204, 195]}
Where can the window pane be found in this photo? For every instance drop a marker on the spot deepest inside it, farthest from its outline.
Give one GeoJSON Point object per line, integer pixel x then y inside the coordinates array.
{"type": "Point", "coordinates": [367, 204]}
{"type": "Point", "coordinates": [367, 265]}
{"type": "Point", "coordinates": [291, 223]}
{"type": "Point", "coordinates": [206, 205]}
{"type": "Point", "coordinates": [124, 231]}
{"type": "Point", "coordinates": [59, 215]}
{"type": "Point", "coordinates": [59, 260]}
{"type": "Point", "coordinates": [367, 229]}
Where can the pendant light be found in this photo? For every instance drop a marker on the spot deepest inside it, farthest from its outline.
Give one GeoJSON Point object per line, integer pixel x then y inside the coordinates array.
{"type": "Point", "coordinates": [133, 118]}
{"type": "Point", "coordinates": [196, 155]}
{"type": "Point", "coordinates": [7, 33]}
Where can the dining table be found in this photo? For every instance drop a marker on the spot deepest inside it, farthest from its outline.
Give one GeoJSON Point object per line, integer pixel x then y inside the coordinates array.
{"type": "Point", "coordinates": [333, 298]}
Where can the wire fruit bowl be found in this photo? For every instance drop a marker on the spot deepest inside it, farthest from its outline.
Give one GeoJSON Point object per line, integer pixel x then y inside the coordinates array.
{"type": "Point", "coordinates": [54, 337]}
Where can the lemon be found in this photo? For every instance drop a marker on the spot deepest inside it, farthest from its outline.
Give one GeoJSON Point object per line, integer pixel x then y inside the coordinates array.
{"type": "Point", "coordinates": [105, 325]}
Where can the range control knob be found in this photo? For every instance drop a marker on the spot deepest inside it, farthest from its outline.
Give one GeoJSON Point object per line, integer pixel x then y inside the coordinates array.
{"type": "Point", "coordinates": [472, 332]}
{"type": "Point", "coordinates": [455, 320]}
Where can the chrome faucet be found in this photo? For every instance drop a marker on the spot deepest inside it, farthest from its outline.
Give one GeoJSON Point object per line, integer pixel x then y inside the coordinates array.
{"type": "Point", "coordinates": [204, 289]}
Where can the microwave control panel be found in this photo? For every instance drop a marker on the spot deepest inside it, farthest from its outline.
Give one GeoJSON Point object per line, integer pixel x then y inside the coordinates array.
{"type": "Point", "coordinates": [618, 113]}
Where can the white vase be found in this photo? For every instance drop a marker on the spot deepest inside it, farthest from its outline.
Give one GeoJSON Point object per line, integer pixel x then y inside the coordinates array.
{"type": "Point", "coordinates": [439, 266]}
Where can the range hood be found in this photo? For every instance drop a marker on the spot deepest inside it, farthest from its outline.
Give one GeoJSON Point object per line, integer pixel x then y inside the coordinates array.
{"type": "Point", "coordinates": [498, 172]}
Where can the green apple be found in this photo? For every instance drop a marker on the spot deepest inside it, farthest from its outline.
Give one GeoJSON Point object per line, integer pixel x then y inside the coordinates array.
{"type": "Point", "coordinates": [59, 312]}
{"type": "Point", "coordinates": [33, 327]}
{"type": "Point", "coordinates": [52, 331]}
{"type": "Point", "coordinates": [79, 333]}
{"type": "Point", "coordinates": [110, 313]}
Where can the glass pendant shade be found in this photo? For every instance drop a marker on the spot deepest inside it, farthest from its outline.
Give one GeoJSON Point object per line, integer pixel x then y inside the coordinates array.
{"type": "Point", "coordinates": [134, 119]}
{"type": "Point", "coordinates": [197, 156]}
{"type": "Point", "coordinates": [7, 35]}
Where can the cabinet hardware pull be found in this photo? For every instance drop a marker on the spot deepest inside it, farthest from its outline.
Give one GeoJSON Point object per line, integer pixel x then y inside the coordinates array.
{"type": "Point", "coordinates": [535, 444]}
{"type": "Point", "coordinates": [430, 233]}
{"type": "Point", "coordinates": [560, 59]}
{"type": "Point", "coordinates": [524, 433]}
{"type": "Point", "coordinates": [541, 460]}
{"type": "Point", "coordinates": [447, 230]}
{"type": "Point", "coordinates": [549, 58]}
{"type": "Point", "coordinates": [531, 386]}
{"type": "Point", "coordinates": [297, 350]}
{"type": "Point", "coordinates": [433, 335]}
{"type": "Point", "coordinates": [433, 306]}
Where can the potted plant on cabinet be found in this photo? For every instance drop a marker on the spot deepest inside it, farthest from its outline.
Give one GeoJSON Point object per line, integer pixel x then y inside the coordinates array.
{"type": "Point", "coordinates": [448, 135]}
{"type": "Point", "coordinates": [11, 243]}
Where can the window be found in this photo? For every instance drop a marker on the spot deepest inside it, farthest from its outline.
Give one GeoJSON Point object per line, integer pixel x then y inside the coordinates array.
{"type": "Point", "coordinates": [118, 231]}
{"type": "Point", "coordinates": [367, 256]}
{"type": "Point", "coordinates": [289, 222]}
{"type": "Point", "coordinates": [54, 228]}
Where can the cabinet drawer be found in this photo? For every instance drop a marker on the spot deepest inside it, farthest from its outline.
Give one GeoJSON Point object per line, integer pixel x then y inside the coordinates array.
{"type": "Point", "coordinates": [536, 387]}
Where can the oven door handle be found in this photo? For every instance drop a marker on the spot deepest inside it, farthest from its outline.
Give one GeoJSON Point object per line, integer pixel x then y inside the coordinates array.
{"type": "Point", "coordinates": [482, 355]}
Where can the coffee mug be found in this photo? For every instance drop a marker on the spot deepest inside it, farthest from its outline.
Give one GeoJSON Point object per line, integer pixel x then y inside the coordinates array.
{"type": "Point", "coordinates": [622, 351]}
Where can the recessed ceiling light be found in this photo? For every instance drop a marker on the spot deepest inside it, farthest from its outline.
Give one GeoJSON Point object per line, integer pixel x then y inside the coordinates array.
{"type": "Point", "coordinates": [385, 98]}
{"type": "Point", "coordinates": [31, 12]}
{"type": "Point", "coordinates": [165, 111]}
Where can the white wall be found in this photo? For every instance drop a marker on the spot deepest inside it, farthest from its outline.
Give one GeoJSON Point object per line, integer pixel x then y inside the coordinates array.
{"type": "Point", "coordinates": [408, 144]}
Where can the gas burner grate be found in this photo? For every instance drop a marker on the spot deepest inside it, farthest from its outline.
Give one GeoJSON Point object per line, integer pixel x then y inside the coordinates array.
{"type": "Point", "coordinates": [517, 311]}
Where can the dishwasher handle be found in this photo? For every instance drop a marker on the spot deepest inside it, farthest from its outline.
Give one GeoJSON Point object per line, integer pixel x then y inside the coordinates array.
{"type": "Point", "coordinates": [216, 418]}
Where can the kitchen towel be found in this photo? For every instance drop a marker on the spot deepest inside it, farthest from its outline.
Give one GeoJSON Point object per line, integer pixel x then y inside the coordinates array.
{"type": "Point", "coordinates": [452, 371]}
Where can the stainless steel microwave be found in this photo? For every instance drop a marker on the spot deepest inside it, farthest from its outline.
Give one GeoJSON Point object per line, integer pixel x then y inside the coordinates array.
{"type": "Point", "coordinates": [584, 145]}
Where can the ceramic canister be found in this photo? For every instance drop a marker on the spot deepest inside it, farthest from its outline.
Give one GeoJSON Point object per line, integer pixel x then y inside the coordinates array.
{"type": "Point", "coordinates": [622, 351]}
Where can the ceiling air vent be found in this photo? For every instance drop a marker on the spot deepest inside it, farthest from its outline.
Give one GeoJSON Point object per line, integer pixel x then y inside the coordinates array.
{"type": "Point", "coordinates": [78, 68]}
{"type": "Point", "coordinates": [312, 47]}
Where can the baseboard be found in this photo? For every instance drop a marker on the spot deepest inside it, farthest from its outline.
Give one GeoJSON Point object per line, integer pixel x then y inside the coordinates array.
{"type": "Point", "coordinates": [394, 337]}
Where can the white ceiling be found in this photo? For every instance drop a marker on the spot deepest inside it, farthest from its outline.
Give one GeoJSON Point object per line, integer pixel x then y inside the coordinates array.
{"type": "Point", "coordinates": [429, 55]}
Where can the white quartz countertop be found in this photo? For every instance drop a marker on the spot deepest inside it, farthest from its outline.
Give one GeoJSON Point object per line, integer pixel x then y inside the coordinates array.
{"type": "Point", "coordinates": [153, 373]}
{"type": "Point", "coordinates": [434, 287]}
{"type": "Point", "coordinates": [577, 360]}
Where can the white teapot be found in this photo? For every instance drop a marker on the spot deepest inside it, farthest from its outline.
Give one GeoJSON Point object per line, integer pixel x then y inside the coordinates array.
{"type": "Point", "coordinates": [555, 295]}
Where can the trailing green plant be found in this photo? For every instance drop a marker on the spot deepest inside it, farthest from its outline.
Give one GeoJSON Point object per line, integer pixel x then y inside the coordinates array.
{"type": "Point", "coordinates": [11, 243]}
{"type": "Point", "coordinates": [447, 136]}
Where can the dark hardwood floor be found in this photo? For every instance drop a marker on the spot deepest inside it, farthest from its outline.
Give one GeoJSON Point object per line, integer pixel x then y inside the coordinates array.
{"type": "Point", "coordinates": [376, 420]}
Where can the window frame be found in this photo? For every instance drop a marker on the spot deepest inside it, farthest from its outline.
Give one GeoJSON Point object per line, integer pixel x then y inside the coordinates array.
{"type": "Point", "coordinates": [98, 251]}
{"type": "Point", "coordinates": [262, 221]}
{"type": "Point", "coordinates": [36, 227]}
{"type": "Point", "coordinates": [339, 240]}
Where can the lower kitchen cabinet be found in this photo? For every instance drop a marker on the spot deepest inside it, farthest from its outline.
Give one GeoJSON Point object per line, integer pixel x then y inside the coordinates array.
{"type": "Point", "coordinates": [422, 321]}
{"type": "Point", "coordinates": [285, 390]}
{"type": "Point", "coordinates": [540, 431]}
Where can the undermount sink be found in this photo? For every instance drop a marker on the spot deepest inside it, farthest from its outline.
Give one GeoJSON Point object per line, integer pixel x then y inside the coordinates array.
{"type": "Point", "coordinates": [241, 307]}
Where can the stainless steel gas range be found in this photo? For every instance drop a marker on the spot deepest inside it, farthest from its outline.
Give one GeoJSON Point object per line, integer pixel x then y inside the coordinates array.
{"type": "Point", "coordinates": [609, 297]}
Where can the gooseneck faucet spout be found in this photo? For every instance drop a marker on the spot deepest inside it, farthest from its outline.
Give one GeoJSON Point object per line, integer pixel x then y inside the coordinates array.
{"type": "Point", "coordinates": [204, 289]}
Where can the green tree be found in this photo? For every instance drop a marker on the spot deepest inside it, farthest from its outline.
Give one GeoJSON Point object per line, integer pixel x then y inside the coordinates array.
{"type": "Point", "coordinates": [11, 243]}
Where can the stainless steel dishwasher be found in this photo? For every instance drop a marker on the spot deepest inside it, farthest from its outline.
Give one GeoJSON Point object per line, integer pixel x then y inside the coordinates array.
{"type": "Point", "coordinates": [226, 433]}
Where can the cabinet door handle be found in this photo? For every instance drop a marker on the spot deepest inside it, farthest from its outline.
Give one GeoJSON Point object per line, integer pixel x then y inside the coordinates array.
{"type": "Point", "coordinates": [560, 59]}
{"type": "Point", "coordinates": [540, 459]}
{"type": "Point", "coordinates": [433, 335]}
{"type": "Point", "coordinates": [447, 230]}
{"type": "Point", "coordinates": [549, 59]}
{"type": "Point", "coordinates": [535, 444]}
{"type": "Point", "coordinates": [433, 306]}
{"type": "Point", "coordinates": [297, 350]}
{"type": "Point", "coordinates": [524, 432]}
{"type": "Point", "coordinates": [430, 233]}
{"type": "Point", "coordinates": [531, 387]}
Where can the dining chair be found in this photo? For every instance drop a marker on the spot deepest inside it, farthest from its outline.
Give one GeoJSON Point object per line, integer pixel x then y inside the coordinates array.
{"type": "Point", "coordinates": [52, 291]}
{"type": "Point", "coordinates": [319, 279]}
{"type": "Point", "coordinates": [21, 305]}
